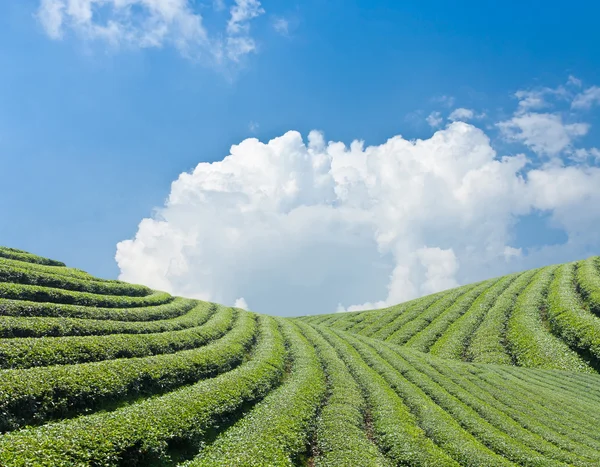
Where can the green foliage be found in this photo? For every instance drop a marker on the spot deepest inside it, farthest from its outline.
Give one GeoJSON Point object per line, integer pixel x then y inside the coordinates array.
{"type": "Point", "coordinates": [588, 280]}
{"type": "Point", "coordinates": [394, 427]}
{"type": "Point", "coordinates": [30, 352]}
{"type": "Point", "coordinates": [569, 319]}
{"type": "Point", "coordinates": [433, 331]}
{"type": "Point", "coordinates": [341, 437]}
{"type": "Point", "coordinates": [439, 425]}
{"type": "Point", "coordinates": [38, 394]}
{"type": "Point", "coordinates": [26, 274]}
{"type": "Point", "coordinates": [528, 339]}
{"type": "Point", "coordinates": [173, 308]}
{"type": "Point", "coordinates": [452, 399]}
{"type": "Point", "coordinates": [453, 343]}
{"type": "Point", "coordinates": [419, 318]}
{"type": "Point", "coordinates": [97, 372]}
{"type": "Point", "coordinates": [147, 431]}
{"type": "Point", "coordinates": [275, 431]}
{"type": "Point", "coordinates": [502, 402]}
{"type": "Point", "coordinates": [37, 293]}
{"type": "Point", "coordinates": [194, 314]}
{"type": "Point", "coordinates": [487, 344]}
{"type": "Point", "coordinates": [20, 255]}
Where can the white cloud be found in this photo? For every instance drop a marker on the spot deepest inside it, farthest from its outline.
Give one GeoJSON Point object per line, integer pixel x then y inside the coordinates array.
{"type": "Point", "coordinates": [241, 303]}
{"type": "Point", "coordinates": [441, 267]}
{"type": "Point", "coordinates": [586, 99]}
{"type": "Point", "coordinates": [281, 26]}
{"type": "Point", "coordinates": [511, 253]}
{"type": "Point", "coordinates": [253, 126]}
{"type": "Point", "coordinates": [461, 114]}
{"type": "Point", "coordinates": [529, 100]}
{"type": "Point", "coordinates": [595, 153]}
{"type": "Point", "coordinates": [582, 154]}
{"type": "Point", "coordinates": [239, 41]}
{"type": "Point", "coordinates": [305, 227]}
{"type": "Point", "coordinates": [50, 15]}
{"type": "Point", "coordinates": [573, 81]}
{"type": "Point", "coordinates": [545, 133]}
{"type": "Point", "coordinates": [540, 98]}
{"type": "Point", "coordinates": [434, 119]}
{"type": "Point", "coordinates": [152, 24]}
{"type": "Point", "coordinates": [241, 13]}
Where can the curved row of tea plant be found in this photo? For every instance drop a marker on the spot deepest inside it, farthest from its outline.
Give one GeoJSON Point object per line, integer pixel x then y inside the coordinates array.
{"type": "Point", "coordinates": [149, 430]}
{"type": "Point", "coordinates": [24, 273]}
{"type": "Point", "coordinates": [341, 436]}
{"type": "Point", "coordinates": [546, 318]}
{"type": "Point", "coordinates": [36, 293]}
{"type": "Point", "coordinates": [37, 394]}
{"type": "Point", "coordinates": [41, 326]}
{"type": "Point", "coordinates": [46, 351]}
{"type": "Point", "coordinates": [24, 256]}
{"type": "Point", "coordinates": [276, 431]}
{"type": "Point", "coordinates": [182, 382]}
{"type": "Point", "coordinates": [175, 307]}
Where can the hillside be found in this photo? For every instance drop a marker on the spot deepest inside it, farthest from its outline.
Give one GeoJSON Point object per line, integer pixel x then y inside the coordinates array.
{"type": "Point", "coordinates": [100, 372]}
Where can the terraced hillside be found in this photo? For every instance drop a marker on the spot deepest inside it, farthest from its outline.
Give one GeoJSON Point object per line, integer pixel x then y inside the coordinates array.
{"type": "Point", "coordinates": [543, 318]}
{"type": "Point", "coordinates": [99, 372]}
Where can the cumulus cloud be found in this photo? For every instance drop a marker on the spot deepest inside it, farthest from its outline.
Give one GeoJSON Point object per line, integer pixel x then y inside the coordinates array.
{"type": "Point", "coordinates": [434, 119]}
{"type": "Point", "coordinates": [555, 130]}
{"type": "Point", "coordinates": [440, 266]}
{"type": "Point", "coordinates": [301, 226]}
{"type": "Point", "coordinates": [587, 98]}
{"type": "Point", "coordinates": [51, 14]}
{"type": "Point", "coordinates": [152, 24]}
{"type": "Point", "coordinates": [574, 81]}
{"type": "Point", "coordinates": [545, 133]}
{"type": "Point", "coordinates": [461, 114]}
{"type": "Point", "coordinates": [581, 155]}
{"type": "Point", "coordinates": [511, 252]}
{"type": "Point", "coordinates": [241, 303]}
{"type": "Point", "coordinates": [543, 97]}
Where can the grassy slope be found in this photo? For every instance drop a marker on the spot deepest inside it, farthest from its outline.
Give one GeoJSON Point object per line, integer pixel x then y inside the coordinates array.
{"type": "Point", "coordinates": [96, 372]}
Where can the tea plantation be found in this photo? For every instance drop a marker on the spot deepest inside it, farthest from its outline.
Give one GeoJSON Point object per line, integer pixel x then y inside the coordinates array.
{"type": "Point", "coordinates": [98, 372]}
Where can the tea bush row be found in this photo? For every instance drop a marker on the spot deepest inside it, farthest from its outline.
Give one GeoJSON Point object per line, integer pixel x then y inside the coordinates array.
{"type": "Point", "coordinates": [502, 403]}
{"type": "Point", "coordinates": [35, 395]}
{"type": "Point", "coordinates": [45, 351]}
{"type": "Point", "coordinates": [440, 426]}
{"type": "Point", "coordinates": [487, 342]}
{"type": "Point", "coordinates": [531, 343]}
{"type": "Point", "coordinates": [452, 344]}
{"type": "Point", "coordinates": [147, 432]}
{"type": "Point", "coordinates": [418, 319]}
{"type": "Point", "coordinates": [29, 276]}
{"type": "Point", "coordinates": [341, 432]}
{"type": "Point", "coordinates": [173, 308]}
{"type": "Point", "coordinates": [276, 431]}
{"type": "Point", "coordinates": [20, 255]}
{"type": "Point", "coordinates": [425, 338]}
{"type": "Point", "coordinates": [588, 280]}
{"type": "Point", "coordinates": [35, 326]}
{"type": "Point", "coordinates": [578, 327]}
{"type": "Point", "coordinates": [488, 427]}
{"type": "Point", "coordinates": [46, 294]}
{"type": "Point", "coordinates": [394, 427]}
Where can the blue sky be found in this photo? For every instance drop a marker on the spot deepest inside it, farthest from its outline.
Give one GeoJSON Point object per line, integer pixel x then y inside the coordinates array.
{"type": "Point", "coordinates": [93, 132]}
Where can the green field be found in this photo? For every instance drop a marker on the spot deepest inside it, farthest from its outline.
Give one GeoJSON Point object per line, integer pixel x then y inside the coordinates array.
{"type": "Point", "coordinates": [99, 372]}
